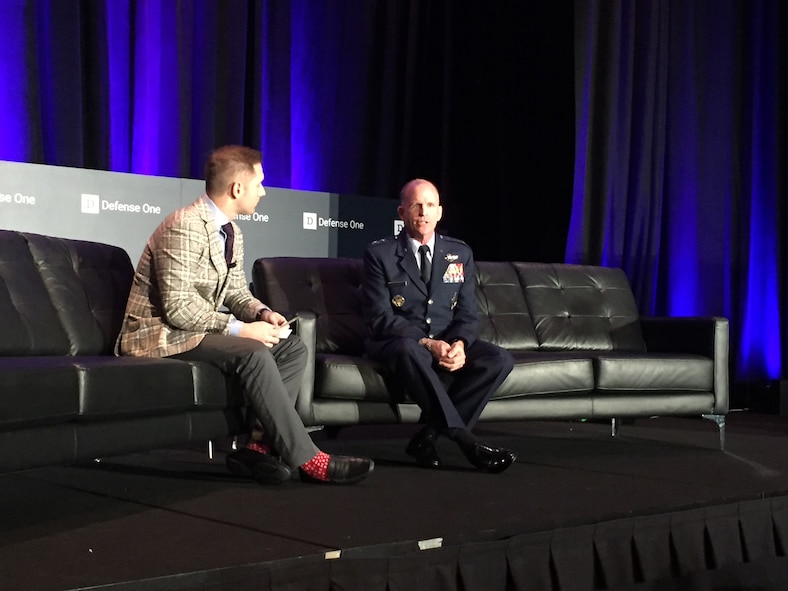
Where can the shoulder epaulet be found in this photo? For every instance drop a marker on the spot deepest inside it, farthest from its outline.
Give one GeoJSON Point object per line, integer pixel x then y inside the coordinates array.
{"type": "Point", "coordinates": [383, 240]}
{"type": "Point", "coordinates": [455, 240]}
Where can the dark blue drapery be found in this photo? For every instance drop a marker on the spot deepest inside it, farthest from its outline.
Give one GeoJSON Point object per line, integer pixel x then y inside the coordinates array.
{"type": "Point", "coordinates": [678, 149]}
{"type": "Point", "coordinates": [667, 111]}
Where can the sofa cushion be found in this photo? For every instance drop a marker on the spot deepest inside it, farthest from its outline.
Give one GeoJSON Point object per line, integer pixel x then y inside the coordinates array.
{"type": "Point", "coordinates": [37, 390]}
{"type": "Point", "coordinates": [351, 378]}
{"type": "Point", "coordinates": [655, 372]}
{"type": "Point", "coordinates": [330, 288]}
{"type": "Point", "coordinates": [536, 373]}
{"type": "Point", "coordinates": [504, 318]}
{"type": "Point", "coordinates": [122, 386]}
{"type": "Point", "coordinates": [641, 404]}
{"type": "Point", "coordinates": [213, 388]}
{"type": "Point", "coordinates": [581, 307]}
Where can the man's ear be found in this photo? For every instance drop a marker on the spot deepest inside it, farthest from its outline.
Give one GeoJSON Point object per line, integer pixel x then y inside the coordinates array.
{"type": "Point", "coordinates": [235, 189]}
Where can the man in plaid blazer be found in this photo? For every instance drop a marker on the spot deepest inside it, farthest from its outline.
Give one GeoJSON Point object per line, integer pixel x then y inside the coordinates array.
{"type": "Point", "coordinates": [192, 267]}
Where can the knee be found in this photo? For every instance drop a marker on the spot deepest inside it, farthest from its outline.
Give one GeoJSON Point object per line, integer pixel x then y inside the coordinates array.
{"type": "Point", "coordinates": [297, 344]}
{"type": "Point", "coordinates": [259, 353]}
{"type": "Point", "coordinates": [507, 361]}
{"type": "Point", "coordinates": [502, 358]}
{"type": "Point", "coordinates": [299, 354]}
{"type": "Point", "coordinates": [295, 348]}
{"type": "Point", "coordinates": [492, 356]}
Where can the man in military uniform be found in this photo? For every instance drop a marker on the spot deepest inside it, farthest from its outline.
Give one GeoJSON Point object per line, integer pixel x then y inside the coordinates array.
{"type": "Point", "coordinates": [420, 305]}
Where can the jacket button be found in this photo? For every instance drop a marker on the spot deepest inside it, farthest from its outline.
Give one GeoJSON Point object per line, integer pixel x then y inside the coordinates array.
{"type": "Point", "coordinates": [429, 302]}
{"type": "Point", "coordinates": [429, 321]}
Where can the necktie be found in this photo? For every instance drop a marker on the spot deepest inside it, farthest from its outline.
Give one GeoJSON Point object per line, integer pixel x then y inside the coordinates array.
{"type": "Point", "coordinates": [229, 234]}
{"type": "Point", "coordinates": [426, 264]}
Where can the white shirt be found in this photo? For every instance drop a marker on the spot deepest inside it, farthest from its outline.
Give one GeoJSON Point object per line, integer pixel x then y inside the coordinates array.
{"type": "Point", "coordinates": [218, 217]}
{"type": "Point", "coordinates": [414, 246]}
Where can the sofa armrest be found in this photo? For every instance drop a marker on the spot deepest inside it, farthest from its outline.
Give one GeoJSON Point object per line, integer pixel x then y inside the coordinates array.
{"type": "Point", "coordinates": [306, 329]}
{"type": "Point", "coordinates": [708, 336]}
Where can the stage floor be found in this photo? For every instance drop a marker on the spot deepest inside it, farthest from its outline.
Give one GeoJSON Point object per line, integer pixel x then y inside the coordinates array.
{"type": "Point", "coordinates": [175, 511]}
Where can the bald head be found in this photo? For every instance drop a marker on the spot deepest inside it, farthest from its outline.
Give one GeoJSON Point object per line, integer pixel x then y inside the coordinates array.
{"type": "Point", "coordinates": [412, 186]}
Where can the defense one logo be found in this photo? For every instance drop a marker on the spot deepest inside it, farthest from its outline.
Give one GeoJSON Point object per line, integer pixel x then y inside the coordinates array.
{"type": "Point", "coordinates": [90, 203]}
{"type": "Point", "coordinates": [398, 225]}
{"type": "Point", "coordinates": [310, 220]}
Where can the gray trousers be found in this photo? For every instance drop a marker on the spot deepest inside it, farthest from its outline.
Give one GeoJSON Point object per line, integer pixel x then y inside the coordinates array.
{"type": "Point", "coordinates": [270, 379]}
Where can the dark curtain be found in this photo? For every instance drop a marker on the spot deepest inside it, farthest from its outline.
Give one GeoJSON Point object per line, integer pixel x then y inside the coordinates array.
{"type": "Point", "coordinates": [679, 149]}
{"type": "Point", "coordinates": [350, 96]}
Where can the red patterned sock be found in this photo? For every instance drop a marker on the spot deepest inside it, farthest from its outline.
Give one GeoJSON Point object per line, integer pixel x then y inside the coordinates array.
{"type": "Point", "coordinates": [317, 467]}
{"type": "Point", "coordinates": [259, 447]}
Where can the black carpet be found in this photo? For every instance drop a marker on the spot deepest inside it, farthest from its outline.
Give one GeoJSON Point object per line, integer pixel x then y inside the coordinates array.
{"type": "Point", "coordinates": [174, 519]}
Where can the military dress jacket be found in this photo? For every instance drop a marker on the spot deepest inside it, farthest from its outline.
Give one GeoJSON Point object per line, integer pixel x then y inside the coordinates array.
{"type": "Point", "coordinates": [181, 283]}
{"type": "Point", "coordinates": [398, 304]}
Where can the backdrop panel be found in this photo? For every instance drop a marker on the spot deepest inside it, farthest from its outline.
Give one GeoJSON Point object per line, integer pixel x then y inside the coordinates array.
{"type": "Point", "coordinates": [123, 209]}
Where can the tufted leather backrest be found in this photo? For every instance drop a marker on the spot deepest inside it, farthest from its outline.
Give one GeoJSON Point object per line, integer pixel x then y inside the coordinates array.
{"type": "Point", "coordinates": [60, 296]}
{"type": "Point", "coordinates": [581, 307]}
{"type": "Point", "coordinates": [30, 323]}
{"type": "Point", "coordinates": [504, 318]}
{"type": "Point", "coordinates": [522, 306]}
{"type": "Point", "coordinates": [330, 288]}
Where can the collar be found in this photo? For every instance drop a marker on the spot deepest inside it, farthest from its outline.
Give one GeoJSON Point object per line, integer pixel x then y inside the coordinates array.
{"type": "Point", "coordinates": [414, 245]}
{"type": "Point", "coordinates": [218, 215]}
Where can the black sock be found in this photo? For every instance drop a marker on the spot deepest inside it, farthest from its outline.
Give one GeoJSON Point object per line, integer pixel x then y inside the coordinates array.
{"type": "Point", "coordinates": [462, 437]}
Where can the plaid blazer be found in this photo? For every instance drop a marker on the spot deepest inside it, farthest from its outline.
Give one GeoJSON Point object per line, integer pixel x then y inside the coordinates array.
{"type": "Point", "coordinates": [181, 282]}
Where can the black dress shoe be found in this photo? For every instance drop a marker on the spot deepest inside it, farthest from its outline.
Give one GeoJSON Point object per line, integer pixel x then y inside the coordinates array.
{"type": "Point", "coordinates": [264, 468]}
{"type": "Point", "coordinates": [343, 470]}
{"type": "Point", "coordinates": [422, 448]}
{"type": "Point", "coordinates": [488, 458]}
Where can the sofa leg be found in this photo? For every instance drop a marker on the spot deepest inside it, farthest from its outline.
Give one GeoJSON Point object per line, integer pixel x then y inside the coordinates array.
{"type": "Point", "coordinates": [720, 420]}
{"type": "Point", "coordinates": [233, 446]}
{"type": "Point", "coordinates": [614, 427]}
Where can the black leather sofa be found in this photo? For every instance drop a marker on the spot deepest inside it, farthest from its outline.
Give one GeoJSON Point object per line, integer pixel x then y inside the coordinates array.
{"type": "Point", "coordinates": [64, 395]}
{"type": "Point", "coordinates": [581, 349]}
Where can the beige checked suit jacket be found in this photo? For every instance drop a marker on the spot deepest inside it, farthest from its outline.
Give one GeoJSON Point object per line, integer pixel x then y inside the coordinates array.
{"type": "Point", "coordinates": [180, 284]}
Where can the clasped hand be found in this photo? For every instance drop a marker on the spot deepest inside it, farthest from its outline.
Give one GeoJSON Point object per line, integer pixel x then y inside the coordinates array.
{"type": "Point", "coordinates": [450, 356]}
{"type": "Point", "coordinates": [266, 330]}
